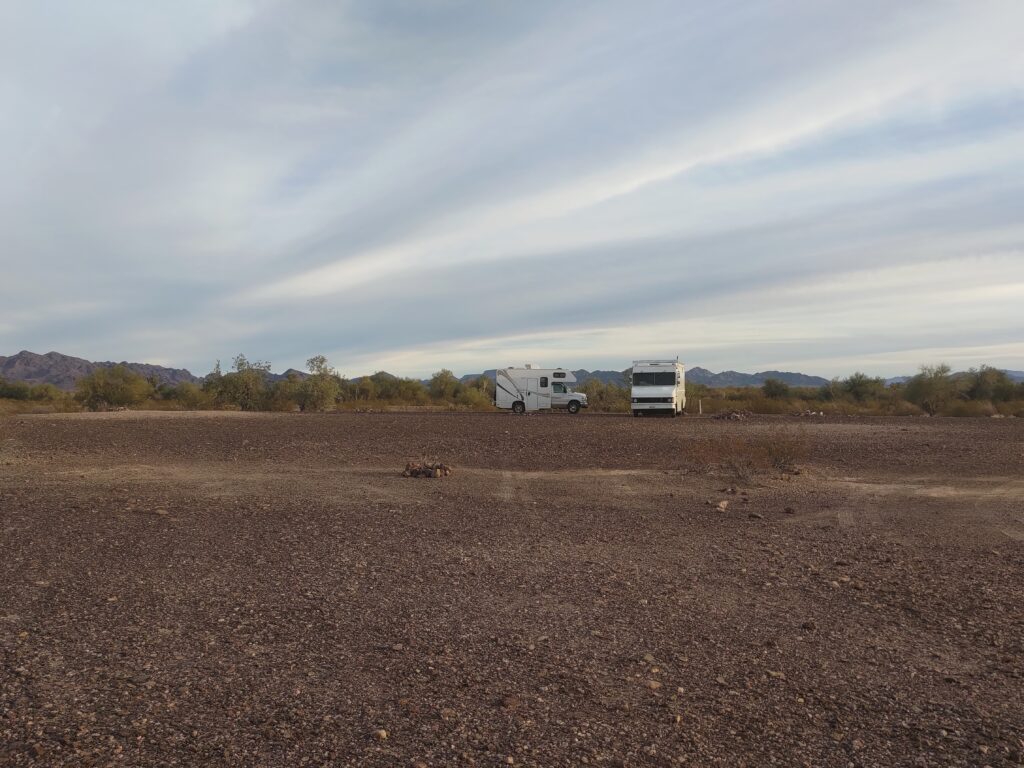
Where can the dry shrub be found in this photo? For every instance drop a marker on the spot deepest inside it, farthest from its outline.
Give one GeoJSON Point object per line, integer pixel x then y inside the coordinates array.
{"type": "Point", "coordinates": [745, 456]}
{"type": "Point", "coordinates": [1011, 408]}
{"type": "Point", "coordinates": [971, 408]}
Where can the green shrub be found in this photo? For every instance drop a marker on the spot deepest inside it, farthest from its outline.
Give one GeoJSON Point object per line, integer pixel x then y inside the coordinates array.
{"type": "Point", "coordinates": [774, 389]}
{"type": "Point", "coordinates": [932, 389]}
{"type": "Point", "coordinates": [112, 388]}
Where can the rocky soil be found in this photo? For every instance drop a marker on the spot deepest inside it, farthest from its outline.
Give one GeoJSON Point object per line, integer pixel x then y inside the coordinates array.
{"type": "Point", "coordinates": [267, 590]}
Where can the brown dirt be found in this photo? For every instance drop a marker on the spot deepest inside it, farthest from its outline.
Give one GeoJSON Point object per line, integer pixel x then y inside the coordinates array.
{"type": "Point", "coordinates": [265, 590]}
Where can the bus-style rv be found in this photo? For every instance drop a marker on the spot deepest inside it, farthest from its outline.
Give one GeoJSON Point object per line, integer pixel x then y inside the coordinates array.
{"type": "Point", "coordinates": [536, 389]}
{"type": "Point", "coordinates": [658, 386]}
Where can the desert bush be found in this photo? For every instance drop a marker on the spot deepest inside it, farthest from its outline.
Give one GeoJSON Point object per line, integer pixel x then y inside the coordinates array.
{"type": "Point", "coordinates": [321, 389]}
{"type": "Point", "coordinates": [112, 387]}
{"type": "Point", "coordinates": [862, 388]}
{"type": "Point", "coordinates": [970, 408]}
{"type": "Point", "coordinates": [932, 389]}
{"type": "Point", "coordinates": [1011, 408]}
{"type": "Point", "coordinates": [745, 456]}
{"type": "Point", "coordinates": [15, 390]}
{"type": "Point", "coordinates": [245, 386]}
{"type": "Point", "coordinates": [987, 383]}
{"type": "Point", "coordinates": [444, 385]}
{"type": "Point", "coordinates": [775, 389]}
{"type": "Point", "coordinates": [605, 397]}
{"type": "Point", "coordinates": [188, 395]}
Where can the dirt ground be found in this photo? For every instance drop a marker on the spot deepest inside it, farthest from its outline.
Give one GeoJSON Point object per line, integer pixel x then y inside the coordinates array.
{"type": "Point", "coordinates": [267, 590]}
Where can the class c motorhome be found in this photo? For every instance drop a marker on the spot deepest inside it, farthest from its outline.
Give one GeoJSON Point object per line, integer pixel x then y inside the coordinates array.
{"type": "Point", "coordinates": [536, 389]}
{"type": "Point", "coordinates": [658, 387]}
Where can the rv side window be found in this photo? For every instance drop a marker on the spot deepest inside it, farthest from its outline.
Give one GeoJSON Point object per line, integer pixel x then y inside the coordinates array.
{"type": "Point", "coordinates": [558, 375]}
{"type": "Point", "coordinates": [558, 388]}
{"type": "Point", "coordinates": [543, 381]}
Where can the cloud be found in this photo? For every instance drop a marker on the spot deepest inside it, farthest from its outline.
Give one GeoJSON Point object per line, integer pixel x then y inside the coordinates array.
{"type": "Point", "coordinates": [410, 186]}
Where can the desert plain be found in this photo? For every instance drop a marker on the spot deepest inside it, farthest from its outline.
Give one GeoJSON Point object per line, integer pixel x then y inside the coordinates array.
{"type": "Point", "coordinates": [229, 589]}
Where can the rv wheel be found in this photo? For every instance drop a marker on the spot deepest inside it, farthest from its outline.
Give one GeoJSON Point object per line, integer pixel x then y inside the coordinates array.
{"type": "Point", "coordinates": [519, 407]}
{"type": "Point", "coordinates": [574, 407]}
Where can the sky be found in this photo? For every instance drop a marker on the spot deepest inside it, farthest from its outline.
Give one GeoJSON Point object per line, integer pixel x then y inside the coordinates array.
{"type": "Point", "coordinates": [817, 186]}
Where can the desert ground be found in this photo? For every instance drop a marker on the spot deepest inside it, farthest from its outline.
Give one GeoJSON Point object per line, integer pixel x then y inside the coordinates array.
{"type": "Point", "coordinates": [268, 590]}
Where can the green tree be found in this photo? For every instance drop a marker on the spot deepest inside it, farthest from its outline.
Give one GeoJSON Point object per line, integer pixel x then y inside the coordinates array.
{"type": "Point", "coordinates": [444, 386]}
{"type": "Point", "coordinates": [190, 396]}
{"type": "Point", "coordinates": [775, 389]}
{"type": "Point", "coordinates": [862, 387]}
{"type": "Point", "coordinates": [15, 390]}
{"type": "Point", "coordinates": [245, 386]}
{"type": "Point", "coordinates": [112, 387]}
{"type": "Point", "coordinates": [321, 389]}
{"type": "Point", "coordinates": [932, 389]}
{"type": "Point", "coordinates": [987, 383]}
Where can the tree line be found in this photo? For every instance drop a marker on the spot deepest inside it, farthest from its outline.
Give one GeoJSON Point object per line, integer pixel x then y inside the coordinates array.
{"type": "Point", "coordinates": [249, 386]}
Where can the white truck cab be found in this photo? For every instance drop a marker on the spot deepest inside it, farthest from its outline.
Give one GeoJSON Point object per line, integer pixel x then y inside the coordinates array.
{"type": "Point", "coordinates": [536, 389]}
{"type": "Point", "coordinates": [658, 387]}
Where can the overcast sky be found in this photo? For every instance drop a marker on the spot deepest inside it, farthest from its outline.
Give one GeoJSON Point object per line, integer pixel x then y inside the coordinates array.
{"type": "Point", "coordinates": [817, 186]}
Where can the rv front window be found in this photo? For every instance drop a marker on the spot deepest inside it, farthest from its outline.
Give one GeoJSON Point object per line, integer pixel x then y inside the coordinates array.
{"type": "Point", "coordinates": [654, 379]}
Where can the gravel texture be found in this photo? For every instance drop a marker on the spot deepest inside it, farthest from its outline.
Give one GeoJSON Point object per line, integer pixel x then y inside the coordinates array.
{"type": "Point", "coordinates": [268, 590]}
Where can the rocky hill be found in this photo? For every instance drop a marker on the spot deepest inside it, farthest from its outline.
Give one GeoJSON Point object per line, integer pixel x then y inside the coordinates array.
{"type": "Point", "coordinates": [63, 370]}
{"type": "Point", "coordinates": [696, 376]}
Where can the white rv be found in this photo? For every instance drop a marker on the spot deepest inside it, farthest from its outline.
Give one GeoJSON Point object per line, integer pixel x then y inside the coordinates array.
{"type": "Point", "coordinates": [535, 389]}
{"type": "Point", "coordinates": [659, 386]}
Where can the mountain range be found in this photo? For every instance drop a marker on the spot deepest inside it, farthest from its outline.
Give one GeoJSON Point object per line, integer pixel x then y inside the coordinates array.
{"type": "Point", "coordinates": [63, 371]}
{"type": "Point", "coordinates": [694, 376]}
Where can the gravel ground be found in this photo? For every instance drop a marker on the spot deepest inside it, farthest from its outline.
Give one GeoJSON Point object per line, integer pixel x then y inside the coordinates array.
{"type": "Point", "coordinates": [267, 590]}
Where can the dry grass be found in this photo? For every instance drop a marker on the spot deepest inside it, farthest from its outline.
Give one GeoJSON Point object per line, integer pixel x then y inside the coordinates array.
{"type": "Point", "coordinates": [744, 457]}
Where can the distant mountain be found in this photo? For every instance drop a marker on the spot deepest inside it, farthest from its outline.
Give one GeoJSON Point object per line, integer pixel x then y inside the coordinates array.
{"type": "Point", "coordinates": [582, 375]}
{"type": "Point", "coordinates": [693, 376]}
{"type": "Point", "coordinates": [63, 370]}
{"type": "Point", "coordinates": [275, 377]}
{"type": "Point", "coordinates": [1015, 375]}
{"type": "Point", "coordinates": [736, 379]}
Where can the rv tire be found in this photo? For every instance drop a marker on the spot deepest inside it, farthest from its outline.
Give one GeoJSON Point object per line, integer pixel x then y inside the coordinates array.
{"type": "Point", "coordinates": [574, 406]}
{"type": "Point", "coordinates": [519, 407]}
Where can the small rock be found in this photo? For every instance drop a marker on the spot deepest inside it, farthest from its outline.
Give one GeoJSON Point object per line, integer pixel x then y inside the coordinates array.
{"type": "Point", "coordinates": [809, 625]}
{"type": "Point", "coordinates": [755, 516]}
{"type": "Point", "coordinates": [723, 505]}
{"type": "Point", "coordinates": [649, 658]}
{"type": "Point", "coordinates": [380, 734]}
{"type": "Point", "coordinates": [777, 675]}
{"type": "Point", "coordinates": [789, 511]}
{"type": "Point", "coordinates": [653, 685]}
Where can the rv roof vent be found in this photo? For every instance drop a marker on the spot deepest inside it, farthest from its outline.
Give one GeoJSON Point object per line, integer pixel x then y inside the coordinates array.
{"type": "Point", "coordinates": [528, 365]}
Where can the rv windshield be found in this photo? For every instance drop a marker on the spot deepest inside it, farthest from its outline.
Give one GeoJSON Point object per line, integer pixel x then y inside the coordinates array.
{"type": "Point", "coordinates": [654, 379]}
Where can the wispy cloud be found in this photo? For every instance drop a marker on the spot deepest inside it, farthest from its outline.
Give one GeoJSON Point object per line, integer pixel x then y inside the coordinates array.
{"type": "Point", "coordinates": [407, 186]}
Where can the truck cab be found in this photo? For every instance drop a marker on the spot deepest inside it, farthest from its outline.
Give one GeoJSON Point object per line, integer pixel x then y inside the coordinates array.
{"type": "Point", "coordinates": [658, 387]}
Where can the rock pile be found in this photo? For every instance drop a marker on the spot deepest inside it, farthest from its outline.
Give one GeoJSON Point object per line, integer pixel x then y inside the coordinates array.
{"type": "Point", "coordinates": [426, 469]}
{"type": "Point", "coordinates": [733, 415]}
